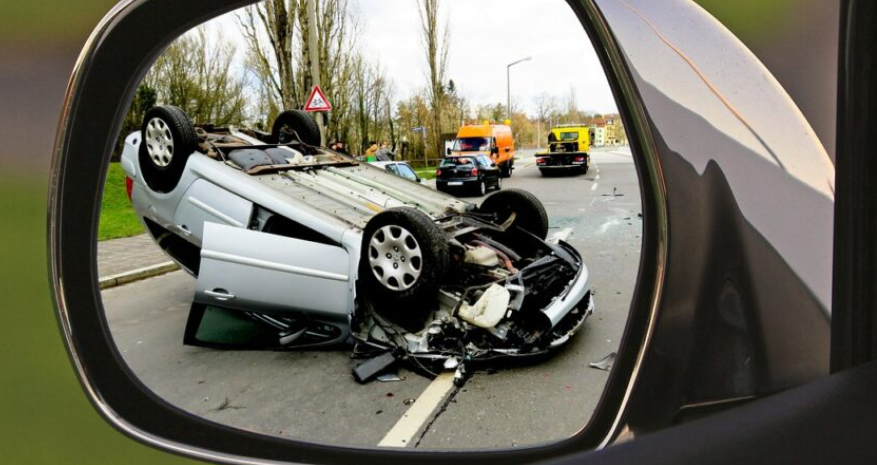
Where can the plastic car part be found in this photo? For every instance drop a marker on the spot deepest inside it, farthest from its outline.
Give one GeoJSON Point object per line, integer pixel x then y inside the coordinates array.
{"type": "Point", "coordinates": [168, 138]}
{"type": "Point", "coordinates": [490, 308]}
{"type": "Point", "coordinates": [370, 369]}
{"type": "Point", "coordinates": [295, 123]}
{"type": "Point", "coordinates": [530, 214]}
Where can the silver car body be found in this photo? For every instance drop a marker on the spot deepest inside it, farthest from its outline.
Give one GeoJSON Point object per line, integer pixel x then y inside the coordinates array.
{"type": "Point", "coordinates": [215, 205]}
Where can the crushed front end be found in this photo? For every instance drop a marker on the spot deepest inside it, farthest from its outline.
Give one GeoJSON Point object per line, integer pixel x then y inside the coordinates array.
{"type": "Point", "coordinates": [511, 295]}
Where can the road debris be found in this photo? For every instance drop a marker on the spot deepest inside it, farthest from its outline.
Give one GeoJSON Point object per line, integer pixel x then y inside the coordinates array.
{"type": "Point", "coordinates": [605, 363]}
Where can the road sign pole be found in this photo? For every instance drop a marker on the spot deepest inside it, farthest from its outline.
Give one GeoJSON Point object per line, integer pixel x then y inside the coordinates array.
{"type": "Point", "coordinates": [315, 62]}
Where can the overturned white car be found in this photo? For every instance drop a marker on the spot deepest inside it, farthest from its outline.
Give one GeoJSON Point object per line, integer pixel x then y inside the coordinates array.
{"type": "Point", "coordinates": [324, 249]}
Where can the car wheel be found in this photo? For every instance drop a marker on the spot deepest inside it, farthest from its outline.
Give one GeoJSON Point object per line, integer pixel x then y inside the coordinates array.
{"type": "Point", "coordinates": [167, 139]}
{"type": "Point", "coordinates": [482, 188]}
{"type": "Point", "coordinates": [530, 214]}
{"type": "Point", "coordinates": [404, 258]}
{"type": "Point", "coordinates": [499, 183]}
{"type": "Point", "coordinates": [506, 170]}
{"type": "Point", "coordinates": [584, 169]}
{"type": "Point", "coordinates": [292, 122]}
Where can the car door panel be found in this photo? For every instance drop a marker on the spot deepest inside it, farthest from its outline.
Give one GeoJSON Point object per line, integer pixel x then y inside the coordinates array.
{"type": "Point", "coordinates": [251, 270]}
{"type": "Point", "coordinates": [206, 202]}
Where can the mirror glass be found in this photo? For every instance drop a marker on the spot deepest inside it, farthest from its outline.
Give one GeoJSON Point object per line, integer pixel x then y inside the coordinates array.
{"type": "Point", "coordinates": [395, 223]}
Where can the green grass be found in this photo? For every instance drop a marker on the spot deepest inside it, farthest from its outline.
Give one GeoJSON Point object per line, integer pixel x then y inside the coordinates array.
{"type": "Point", "coordinates": [425, 173]}
{"type": "Point", "coordinates": [117, 218]}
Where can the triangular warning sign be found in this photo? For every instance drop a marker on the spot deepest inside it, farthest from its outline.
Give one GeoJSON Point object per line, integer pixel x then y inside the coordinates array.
{"type": "Point", "coordinates": [318, 101]}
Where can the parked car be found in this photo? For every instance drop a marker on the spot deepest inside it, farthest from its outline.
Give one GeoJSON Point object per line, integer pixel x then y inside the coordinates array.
{"type": "Point", "coordinates": [496, 141]}
{"type": "Point", "coordinates": [468, 174]}
{"type": "Point", "coordinates": [324, 247]}
{"type": "Point", "coordinates": [399, 168]}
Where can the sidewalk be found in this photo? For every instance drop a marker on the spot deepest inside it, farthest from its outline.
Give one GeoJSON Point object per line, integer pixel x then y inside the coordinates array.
{"type": "Point", "coordinates": [132, 253]}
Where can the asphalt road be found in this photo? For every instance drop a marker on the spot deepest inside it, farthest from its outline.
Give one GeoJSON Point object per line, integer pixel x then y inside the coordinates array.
{"type": "Point", "coordinates": [312, 396]}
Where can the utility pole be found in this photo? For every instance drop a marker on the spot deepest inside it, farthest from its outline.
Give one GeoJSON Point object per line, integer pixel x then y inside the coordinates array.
{"type": "Point", "coordinates": [508, 71]}
{"type": "Point", "coordinates": [315, 62]}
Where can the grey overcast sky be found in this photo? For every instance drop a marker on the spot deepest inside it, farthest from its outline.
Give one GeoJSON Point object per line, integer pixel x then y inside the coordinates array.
{"type": "Point", "coordinates": [486, 35]}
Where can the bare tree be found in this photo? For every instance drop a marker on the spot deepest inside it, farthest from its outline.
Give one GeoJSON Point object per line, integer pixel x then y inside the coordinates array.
{"type": "Point", "coordinates": [545, 105]}
{"type": "Point", "coordinates": [193, 74]}
{"type": "Point", "coordinates": [436, 42]}
{"type": "Point", "coordinates": [269, 29]}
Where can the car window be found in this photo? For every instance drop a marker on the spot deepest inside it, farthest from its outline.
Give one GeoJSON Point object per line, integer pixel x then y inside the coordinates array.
{"type": "Point", "coordinates": [569, 136]}
{"type": "Point", "coordinates": [472, 144]}
{"type": "Point", "coordinates": [406, 172]}
{"type": "Point", "coordinates": [483, 161]}
{"type": "Point", "coordinates": [457, 161]}
{"type": "Point", "coordinates": [392, 169]}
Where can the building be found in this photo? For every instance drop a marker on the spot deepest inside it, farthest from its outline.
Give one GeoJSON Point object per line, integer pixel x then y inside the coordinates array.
{"type": "Point", "coordinates": [598, 136]}
{"type": "Point", "coordinates": [607, 132]}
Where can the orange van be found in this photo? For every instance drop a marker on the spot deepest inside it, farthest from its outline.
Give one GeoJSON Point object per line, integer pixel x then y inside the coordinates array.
{"type": "Point", "coordinates": [493, 140]}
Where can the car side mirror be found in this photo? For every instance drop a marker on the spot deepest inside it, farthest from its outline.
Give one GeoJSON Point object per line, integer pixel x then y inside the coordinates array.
{"type": "Point", "coordinates": [698, 322]}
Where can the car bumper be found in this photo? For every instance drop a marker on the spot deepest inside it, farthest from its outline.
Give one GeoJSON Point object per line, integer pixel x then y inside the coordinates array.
{"type": "Point", "coordinates": [563, 160]}
{"type": "Point", "coordinates": [458, 183]}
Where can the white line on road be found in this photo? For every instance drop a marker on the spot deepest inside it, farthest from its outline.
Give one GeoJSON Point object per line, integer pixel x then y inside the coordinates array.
{"type": "Point", "coordinates": [561, 235]}
{"type": "Point", "coordinates": [597, 178]}
{"type": "Point", "coordinates": [594, 187]}
{"type": "Point", "coordinates": [419, 413]}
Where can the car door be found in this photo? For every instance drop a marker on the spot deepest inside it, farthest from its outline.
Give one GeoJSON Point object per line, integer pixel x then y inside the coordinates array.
{"type": "Point", "coordinates": [490, 170]}
{"type": "Point", "coordinates": [406, 172]}
{"type": "Point", "coordinates": [256, 271]}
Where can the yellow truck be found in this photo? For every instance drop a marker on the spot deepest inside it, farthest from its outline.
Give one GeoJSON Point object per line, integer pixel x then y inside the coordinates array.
{"type": "Point", "coordinates": [568, 150]}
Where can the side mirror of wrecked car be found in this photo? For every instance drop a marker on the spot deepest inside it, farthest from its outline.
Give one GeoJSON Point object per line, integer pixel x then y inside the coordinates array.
{"type": "Point", "coordinates": [702, 328]}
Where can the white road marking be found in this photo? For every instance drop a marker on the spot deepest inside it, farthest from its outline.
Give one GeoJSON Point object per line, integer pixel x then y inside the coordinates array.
{"type": "Point", "coordinates": [561, 235]}
{"type": "Point", "coordinates": [597, 178]}
{"type": "Point", "coordinates": [420, 412]}
{"type": "Point", "coordinates": [594, 187]}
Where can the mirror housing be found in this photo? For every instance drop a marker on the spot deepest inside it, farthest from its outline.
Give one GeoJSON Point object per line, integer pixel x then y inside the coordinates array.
{"type": "Point", "coordinates": [672, 321]}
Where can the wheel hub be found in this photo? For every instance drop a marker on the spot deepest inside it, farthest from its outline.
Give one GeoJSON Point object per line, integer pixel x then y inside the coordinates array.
{"type": "Point", "coordinates": [395, 258]}
{"type": "Point", "coordinates": [159, 142]}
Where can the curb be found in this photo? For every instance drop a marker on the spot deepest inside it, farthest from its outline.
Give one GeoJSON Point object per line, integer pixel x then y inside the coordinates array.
{"type": "Point", "coordinates": [137, 275]}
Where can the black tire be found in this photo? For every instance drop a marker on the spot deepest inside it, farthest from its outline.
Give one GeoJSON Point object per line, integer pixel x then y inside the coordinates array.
{"type": "Point", "coordinates": [480, 188]}
{"type": "Point", "coordinates": [162, 160]}
{"type": "Point", "coordinates": [505, 170]}
{"type": "Point", "coordinates": [410, 301]}
{"type": "Point", "coordinates": [584, 169]}
{"type": "Point", "coordinates": [498, 185]}
{"type": "Point", "coordinates": [530, 214]}
{"type": "Point", "coordinates": [298, 122]}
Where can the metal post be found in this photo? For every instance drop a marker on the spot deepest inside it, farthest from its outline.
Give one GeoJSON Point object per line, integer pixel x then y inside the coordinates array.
{"type": "Point", "coordinates": [508, 81]}
{"type": "Point", "coordinates": [315, 62]}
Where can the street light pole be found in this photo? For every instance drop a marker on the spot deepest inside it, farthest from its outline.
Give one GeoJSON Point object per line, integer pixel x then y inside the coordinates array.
{"type": "Point", "coordinates": [508, 71]}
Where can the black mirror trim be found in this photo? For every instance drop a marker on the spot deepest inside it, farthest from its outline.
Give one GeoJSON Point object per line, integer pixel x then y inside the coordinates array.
{"type": "Point", "coordinates": [115, 59]}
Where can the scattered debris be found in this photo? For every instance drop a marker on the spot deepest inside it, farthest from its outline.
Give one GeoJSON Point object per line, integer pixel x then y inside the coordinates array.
{"type": "Point", "coordinates": [408, 401]}
{"type": "Point", "coordinates": [226, 405]}
{"type": "Point", "coordinates": [605, 363]}
{"type": "Point", "coordinates": [390, 378]}
{"type": "Point", "coordinates": [373, 367]}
